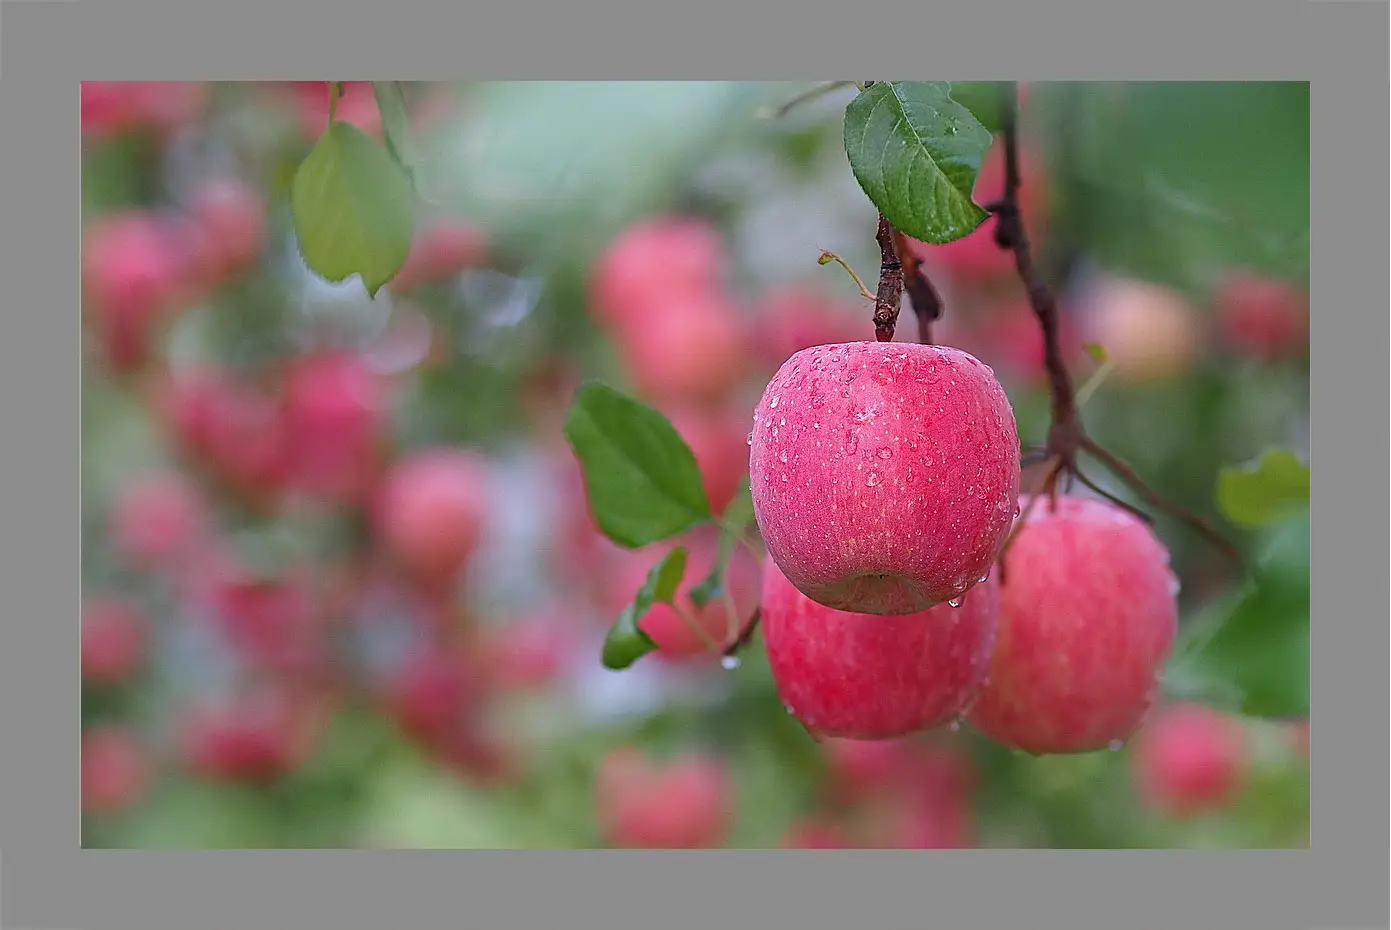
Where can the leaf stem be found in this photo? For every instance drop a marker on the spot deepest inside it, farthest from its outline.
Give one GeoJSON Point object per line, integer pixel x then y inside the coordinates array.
{"type": "Point", "coordinates": [827, 257]}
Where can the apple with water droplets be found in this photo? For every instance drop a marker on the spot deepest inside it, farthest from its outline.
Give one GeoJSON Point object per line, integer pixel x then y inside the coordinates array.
{"type": "Point", "coordinates": [875, 677]}
{"type": "Point", "coordinates": [1088, 613]}
{"type": "Point", "coordinates": [884, 476]}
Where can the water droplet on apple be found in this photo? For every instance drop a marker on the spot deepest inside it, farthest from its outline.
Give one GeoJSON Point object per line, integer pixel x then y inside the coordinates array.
{"type": "Point", "coordinates": [750, 438]}
{"type": "Point", "coordinates": [730, 662]}
{"type": "Point", "coordinates": [852, 444]}
{"type": "Point", "coordinates": [873, 479]}
{"type": "Point", "coordinates": [983, 578]}
{"type": "Point", "coordinates": [956, 601]}
{"type": "Point", "coordinates": [955, 725]}
{"type": "Point", "coordinates": [773, 403]}
{"type": "Point", "coordinates": [885, 453]}
{"type": "Point", "coordinates": [1115, 745]}
{"type": "Point", "coordinates": [782, 457]}
{"type": "Point", "coordinates": [1175, 586]}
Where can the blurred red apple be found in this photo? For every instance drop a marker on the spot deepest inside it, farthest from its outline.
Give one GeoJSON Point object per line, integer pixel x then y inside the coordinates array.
{"type": "Point", "coordinates": [228, 219]}
{"type": "Point", "coordinates": [798, 318]}
{"type": "Point", "coordinates": [114, 641]}
{"type": "Point", "coordinates": [650, 260]}
{"type": "Point", "coordinates": [685, 803]}
{"type": "Point", "coordinates": [158, 519]}
{"type": "Point", "coordinates": [253, 739]}
{"type": "Point", "coordinates": [115, 769]}
{"type": "Point", "coordinates": [1149, 332]}
{"type": "Point", "coordinates": [336, 417]}
{"type": "Point", "coordinates": [133, 276]}
{"type": "Point", "coordinates": [816, 833]}
{"type": "Point", "coordinates": [112, 107]}
{"type": "Point", "coordinates": [430, 512]}
{"type": "Point", "coordinates": [688, 346]}
{"type": "Point", "coordinates": [719, 440]}
{"type": "Point", "coordinates": [1190, 759]}
{"type": "Point", "coordinates": [1262, 317]}
{"type": "Point", "coordinates": [440, 250]}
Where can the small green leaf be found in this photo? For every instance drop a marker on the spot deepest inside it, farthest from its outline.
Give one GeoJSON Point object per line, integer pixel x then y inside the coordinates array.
{"type": "Point", "coordinates": [641, 477]}
{"type": "Point", "coordinates": [626, 642]}
{"type": "Point", "coordinates": [354, 209]}
{"type": "Point", "coordinates": [1097, 352]}
{"type": "Point", "coordinates": [1265, 490]}
{"type": "Point", "coordinates": [1250, 654]}
{"type": "Point", "coordinates": [396, 125]}
{"type": "Point", "coordinates": [916, 153]}
{"type": "Point", "coordinates": [982, 98]}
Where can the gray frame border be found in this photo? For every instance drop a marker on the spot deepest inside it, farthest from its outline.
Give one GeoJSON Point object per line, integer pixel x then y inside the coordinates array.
{"type": "Point", "coordinates": [49, 882]}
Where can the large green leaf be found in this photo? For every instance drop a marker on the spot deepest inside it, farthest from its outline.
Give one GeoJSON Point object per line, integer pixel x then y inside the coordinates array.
{"type": "Point", "coordinates": [354, 209]}
{"type": "Point", "coordinates": [641, 477]}
{"type": "Point", "coordinates": [1265, 490]}
{"type": "Point", "coordinates": [916, 153]}
{"type": "Point", "coordinates": [1250, 654]}
{"type": "Point", "coordinates": [626, 642]}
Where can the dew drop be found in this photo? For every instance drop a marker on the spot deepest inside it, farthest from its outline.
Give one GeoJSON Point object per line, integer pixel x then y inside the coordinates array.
{"type": "Point", "coordinates": [873, 479]}
{"type": "Point", "coordinates": [749, 439]}
{"type": "Point", "coordinates": [956, 601]}
{"type": "Point", "coordinates": [1115, 745]}
{"type": "Point", "coordinates": [774, 403]}
{"type": "Point", "coordinates": [1175, 586]}
{"type": "Point", "coordinates": [852, 445]}
{"type": "Point", "coordinates": [955, 725]}
{"type": "Point", "coordinates": [885, 453]}
{"type": "Point", "coordinates": [730, 662]}
{"type": "Point", "coordinates": [782, 457]}
{"type": "Point", "coordinates": [983, 578]}
{"type": "Point", "coordinates": [815, 425]}
{"type": "Point", "coordinates": [1016, 511]}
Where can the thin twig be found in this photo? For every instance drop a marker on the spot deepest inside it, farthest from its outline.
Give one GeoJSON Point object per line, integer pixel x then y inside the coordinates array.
{"type": "Point", "coordinates": [807, 96]}
{"type": "Point", "coordinates": [1124, 472]}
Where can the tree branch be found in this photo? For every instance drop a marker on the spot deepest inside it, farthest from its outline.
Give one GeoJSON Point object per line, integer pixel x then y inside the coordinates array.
{"type": "Point", "coordinates": [888, 300]}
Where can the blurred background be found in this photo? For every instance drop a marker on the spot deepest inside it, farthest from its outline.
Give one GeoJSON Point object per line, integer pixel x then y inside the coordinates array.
{"type": "Point", "coordinates": [340, 587]}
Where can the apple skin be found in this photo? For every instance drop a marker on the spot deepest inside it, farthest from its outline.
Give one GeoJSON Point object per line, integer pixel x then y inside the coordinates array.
{"type": "Point", "coordinates": [874, 677]}
{"type": "Point", "coordinates": [884, 476]}
{"type": "Point", "coordinates": [1087, 619]}
{"type": "Point", "coordinates": [1190, 759]}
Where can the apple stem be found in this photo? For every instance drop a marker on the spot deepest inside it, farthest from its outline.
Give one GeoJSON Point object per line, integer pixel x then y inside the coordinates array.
{"type": "Point", "coordinates": [1066, 435]}
{"type": "Point", "coordinates": [888, 301]}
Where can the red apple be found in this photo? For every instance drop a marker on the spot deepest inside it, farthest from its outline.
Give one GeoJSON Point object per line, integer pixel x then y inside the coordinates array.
{"type": "Point", "coordinates": [652, 259]}
{"type": "Point", "coordinates": [254, 739]}
{"type": "Point", "coordinates": [688, 346]}
{"type": "Point", "coordinates": [158, 519]}
{"type": "Point", "coordinates": [115, 769]}
{"type": "Point", "coordinates": [132, 276]}
{"type": "Point", "coordinates": [336, 416]}
{"type": "Point", "coordinates": [1088, 613]}
{"type": "Point", "coordinates": [884, 475]}
{"type": "Point", "coordinates": [1190, 759]}
{"type": "Point", "coordinates": [859, 769]}
{"type": "Point", "coordinates": [1262, 317]}
{"type": "Point", "coordinates": [112, 107]}
{"type": "Point", "coordinates": [114, 641]}
{"type": "Point", "coordinates": [875, 677]}
{"type": "Point", "coordinates": [432, 696]}
{"type": "Point", "coordinates": [272, 622]}
{"type": "Point", "coordinates": [685, 803]}
{"type": "Point", "coordinates": [430, 512]}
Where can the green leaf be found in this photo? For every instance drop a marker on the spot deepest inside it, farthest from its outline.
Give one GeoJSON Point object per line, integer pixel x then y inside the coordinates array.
{"type": "Point", "coordinates": [916, 153]}
{"type": "Point", "coordinates": [354, 209]}
{"type": "Point", "coordinates": [396, 125]}
{"type": "Point", "coordinates": [626, 642]}
{"type": "Point", "coordinates": [1265, 490]}
{"type": "Point", "coordinates": [982, 98]}
{"type": "Point", "coordinates": [641, 477]}
{"type": "Point", "coordinates": [1250, 654]}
